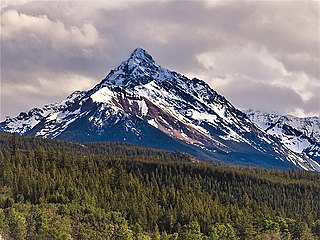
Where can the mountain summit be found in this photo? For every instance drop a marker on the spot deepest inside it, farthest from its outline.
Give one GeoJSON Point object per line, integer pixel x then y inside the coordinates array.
{"type": "Point", "coordinates": [143, 103]}
{"type": "Point", "coordinates": [141, 54]}
{"type": "Point", "coordinates": [139, 69]}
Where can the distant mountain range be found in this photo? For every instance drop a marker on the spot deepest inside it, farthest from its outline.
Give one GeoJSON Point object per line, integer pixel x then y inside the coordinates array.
{"type": "Point", "coordinates": [301, 135]}
{"type": "Point", "coordinates": [143, 103]}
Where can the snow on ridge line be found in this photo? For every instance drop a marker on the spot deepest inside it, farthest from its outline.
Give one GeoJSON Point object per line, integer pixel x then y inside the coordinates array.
{"type": "Point", "coordinates": [310, 126]}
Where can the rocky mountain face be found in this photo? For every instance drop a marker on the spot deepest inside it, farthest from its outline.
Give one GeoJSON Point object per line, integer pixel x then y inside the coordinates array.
{"type": "Point", "coordinates": [143, 103]}
{"type": "Point", "coordinates": [300, 135]}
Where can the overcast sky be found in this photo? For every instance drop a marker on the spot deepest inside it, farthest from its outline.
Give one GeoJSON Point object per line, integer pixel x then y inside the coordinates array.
{"type": "Point", "coordinates": [258, 54]}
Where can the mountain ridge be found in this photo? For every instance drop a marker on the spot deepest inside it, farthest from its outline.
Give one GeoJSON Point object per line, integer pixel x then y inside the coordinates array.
{"type": "Point", "coordinates": [300, 134]}
{"type": "Point", "coordinates": [143, 103]}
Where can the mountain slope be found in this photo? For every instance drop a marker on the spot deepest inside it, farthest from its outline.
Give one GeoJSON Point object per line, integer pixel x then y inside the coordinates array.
{"type": "Point", "coordinates": [143, 103]}
{"type": "Point", "coordinates": [301, 135]}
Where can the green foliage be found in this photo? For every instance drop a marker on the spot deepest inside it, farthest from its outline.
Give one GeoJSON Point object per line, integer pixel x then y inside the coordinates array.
{"type": "Point", "coordinates": [270, 226]}
{"type": "Point", "coordinates": [59, 190]}
{"type": "Point", "coordinates": [316, 228]}
{"type": "Point", "coordinates": [156, 233]}
{"type": "Point", "coordinates": [16, 222]}
{"type": "Point", "coordinates": [191, 231]}
{"type": "Point", "coordinates": [222, 231]}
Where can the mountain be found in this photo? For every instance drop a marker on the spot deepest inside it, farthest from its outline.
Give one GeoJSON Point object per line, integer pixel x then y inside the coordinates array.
{"type": "Point", "coordinates": [143, 103]}
{"type": "Point", "coordinates": [300, 135]}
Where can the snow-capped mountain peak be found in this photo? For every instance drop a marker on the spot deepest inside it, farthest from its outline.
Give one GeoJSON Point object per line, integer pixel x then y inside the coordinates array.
{"type": "Point", "coordinates": [138, 69]}
{"type": "Point", "coordinates": [310, 126]}
{"type": "Point", "coordinates": [143, 103]}
{"type": "Point", "coordinates": [140, 55]}
{"type": "Point", "coordinates": [299, 134]}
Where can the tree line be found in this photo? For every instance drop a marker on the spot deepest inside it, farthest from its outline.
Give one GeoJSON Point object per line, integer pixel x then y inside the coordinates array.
{"type": "Point", "coordinates": [52, 189]}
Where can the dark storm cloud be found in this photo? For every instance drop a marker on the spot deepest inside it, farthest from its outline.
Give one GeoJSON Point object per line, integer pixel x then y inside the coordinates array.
{"type": "Point", "coordinates": [268, 48]}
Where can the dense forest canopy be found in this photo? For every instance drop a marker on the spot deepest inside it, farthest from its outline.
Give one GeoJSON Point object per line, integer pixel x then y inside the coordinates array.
{"type": "Point", "coordinates": [53, 189]}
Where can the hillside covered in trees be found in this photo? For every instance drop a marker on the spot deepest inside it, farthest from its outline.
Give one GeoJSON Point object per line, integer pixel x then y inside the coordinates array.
{"type": "Point", "coordinates": [53, 189]}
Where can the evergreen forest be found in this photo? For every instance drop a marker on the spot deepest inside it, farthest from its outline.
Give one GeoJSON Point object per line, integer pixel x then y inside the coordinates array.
{"type": "Point", "coordinates": [51, 189]}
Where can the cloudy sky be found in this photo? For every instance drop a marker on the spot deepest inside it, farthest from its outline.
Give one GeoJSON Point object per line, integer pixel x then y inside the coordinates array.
{"type": "Point", "coordinates": [259, 54]}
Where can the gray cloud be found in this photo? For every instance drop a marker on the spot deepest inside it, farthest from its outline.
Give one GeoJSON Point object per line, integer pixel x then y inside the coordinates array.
{"type": "Point", "coordinates": [284, 99]}
{"type": "Point", "coordinates": [259, 54]}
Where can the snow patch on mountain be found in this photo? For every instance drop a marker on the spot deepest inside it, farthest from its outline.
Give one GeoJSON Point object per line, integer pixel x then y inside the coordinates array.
{"type": "Point", "coordinates": [103, 95]}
